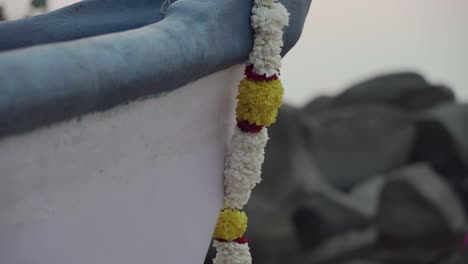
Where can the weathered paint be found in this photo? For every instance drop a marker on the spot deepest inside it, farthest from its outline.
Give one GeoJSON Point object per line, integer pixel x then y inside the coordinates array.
{"type": "Point", "coordinates": [141, 183]}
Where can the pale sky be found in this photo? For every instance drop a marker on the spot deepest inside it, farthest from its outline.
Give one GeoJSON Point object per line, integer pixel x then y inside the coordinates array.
{"type": "Point", "coordinates": [347, 40]}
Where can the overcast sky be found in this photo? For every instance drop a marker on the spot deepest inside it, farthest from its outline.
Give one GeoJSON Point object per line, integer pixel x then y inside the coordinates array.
{"type": "Point", "coordinates": [347, 40]}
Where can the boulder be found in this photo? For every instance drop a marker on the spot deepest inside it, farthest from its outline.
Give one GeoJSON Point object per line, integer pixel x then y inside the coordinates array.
{"type": "Point", "coordinates": [278, 168]}
{"type": "Point", "coordinates": [352, 144]}
{"type": "Point", "coordinates": [318, 104]}
{"type": "Point", "coordinates": [321, 218]}
{"type": "Point", "coordinates": [407, 90]}
{"type": "Point", "coordinates": [453, 119]}
{"type": "Point", "coordinates": [419, 219]}
{"type": "Point", "coordinates": [365, 195]}
{"type": "Point", "coordinates": [441, 141]}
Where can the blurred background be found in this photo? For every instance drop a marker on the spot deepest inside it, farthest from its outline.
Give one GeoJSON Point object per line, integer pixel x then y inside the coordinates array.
{"type": "Point", "coordinates": [368, 162]}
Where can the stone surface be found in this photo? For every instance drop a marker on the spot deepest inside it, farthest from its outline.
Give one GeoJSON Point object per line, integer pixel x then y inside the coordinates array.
{"type": "Point", "coordinates": [418, 206]}
{"type": "Point", "coordinates": [361, 261]}
{"type": "Point", "coordinates": [354, 245]}
{"type": "Point", "coordinates": [460, 257]}
{"type": "Point", "coordinates": [2, 14]}
{"type": "Point", "coordinates": [442, 142]}
{"type": "Point", "coordinates": [409, 91]}
{"type": "Point", "coordinates": [320, 218]}
{"type": "Point", "coordinates": [366, 194]}
{"type": "Point", "coordinates": [352, 144]}
{"type": "Point", "coordinates": [435, 145]}
{"type": "Point", "coordinates": [454, 119]}
{"type": "Point", "coordinates": [369, 151]}
{"type": "Point", "coordinates": [278, 168]}
{"type": "Point", "coordinates": [318, 104]}
{"type": "Point", "coordinates": [270, 208]}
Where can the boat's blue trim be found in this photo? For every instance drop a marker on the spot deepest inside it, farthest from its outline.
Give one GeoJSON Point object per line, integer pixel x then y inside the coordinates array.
{"type": "Point", "coordinates": [49, 83]}
{"type": "Point", "coordinates": [83, 19]}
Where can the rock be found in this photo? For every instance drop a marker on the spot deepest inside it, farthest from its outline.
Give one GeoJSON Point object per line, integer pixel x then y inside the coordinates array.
{"type": "Point", "coordinates": [435, 145]}
{"type": "Point", "coordinates": [270, 207]}
{"type": "Point", "coordinates": [441, 141]}
{"type": "Point", "coordinates": [418, 208]}
{"type": "Point", "coordinates": [2, 14]}
{"type": "Point", "coordinates": [419, 220]}
{"type": "Point", "coordinates": [343, 248]}
{"type": "Point", "coordinates": [321, 218]}
{"type": "Point", "coordinates": [275, 250]}
{"type": "Point", "coordinates": [408, 91]}
{"type": "Point", "coordinates": [362, 261]}
{"type": "Point", "coordinates": [352, 144]}
{"type": "Point", "coordinates": [453, 118]}
{"type": "Point", "coordinates": [318, 104]}
{"type": "Point", "coordinates": [271, 231]}
{"type": "Point", "coordinates": [278, 168]}
{"type": "Point", "coordinates": [366, 194]}
{"type": "Point", "coordinates": [459, 257]}
{"type": "Point", "coordinates": [424, 98]}
{"type": "Point", "coordinates": [355, 148]}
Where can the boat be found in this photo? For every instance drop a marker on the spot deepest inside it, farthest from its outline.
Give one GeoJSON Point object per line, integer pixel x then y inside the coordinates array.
{"type": "Point", "coordinates": [112, 144]}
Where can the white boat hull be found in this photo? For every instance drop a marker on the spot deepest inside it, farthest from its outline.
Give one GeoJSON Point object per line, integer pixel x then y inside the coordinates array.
{"type": "Point", "coordinates": [140, 183]}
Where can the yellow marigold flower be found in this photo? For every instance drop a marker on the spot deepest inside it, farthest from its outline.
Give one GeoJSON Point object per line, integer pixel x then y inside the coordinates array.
{"type": "Point", "coordinates": [231, 225]}
{"type": "Point", "coordinates": [258, 101]}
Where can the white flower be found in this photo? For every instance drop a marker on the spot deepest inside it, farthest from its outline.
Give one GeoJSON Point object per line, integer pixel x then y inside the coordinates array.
{"type": "Point", "coordinates": [268, 22]}
{"type": "Point", "coordinates": [245, 156]}
{"type": "Point", "coordinates": [266, 54]}
{"type": "Point", "coordinates": [269, 19]}
{"type": "Point", "coordinates": [232, 253]}
{"type": "Point", "coordinates": [264, 2]}
{"type": "Point", "coordinates": [243, 166]}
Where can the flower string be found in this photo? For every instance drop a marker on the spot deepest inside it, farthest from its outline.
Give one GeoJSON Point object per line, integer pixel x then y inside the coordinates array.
{"type": "Point", "coordinates": [260, 95]}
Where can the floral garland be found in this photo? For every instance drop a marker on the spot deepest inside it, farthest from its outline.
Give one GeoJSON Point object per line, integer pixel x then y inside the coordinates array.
{"type": "Point", "coordinates": [260, 95]}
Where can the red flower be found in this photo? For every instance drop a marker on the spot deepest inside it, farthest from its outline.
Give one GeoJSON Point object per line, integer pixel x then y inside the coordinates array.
{"type": "Point", "coordinates": [251, 75]}
{"type": "Point", "coordinates": [241, 240]}
{"type": "Point", "coordinates": [246, 127]}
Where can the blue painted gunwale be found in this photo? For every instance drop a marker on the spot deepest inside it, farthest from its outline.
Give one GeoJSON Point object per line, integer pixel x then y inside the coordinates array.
{"type": "Point", "coordinates": [44, 84]}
